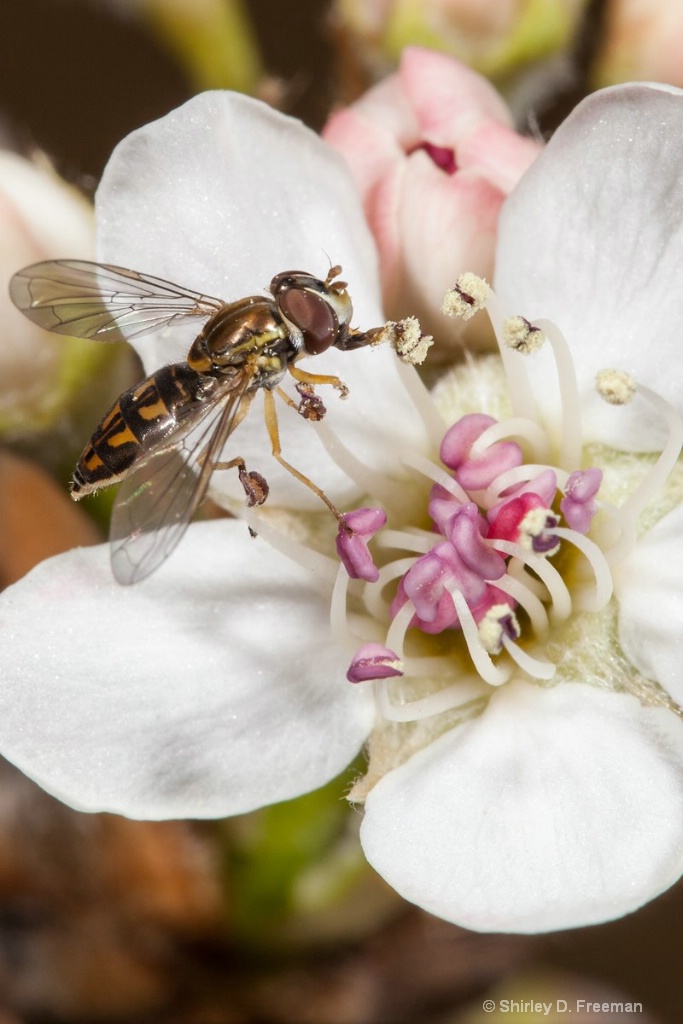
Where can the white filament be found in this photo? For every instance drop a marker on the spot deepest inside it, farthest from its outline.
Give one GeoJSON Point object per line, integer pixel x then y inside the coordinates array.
{"type": "Point", "coordinates": [570, 448]}
{"type": "Point", "coordinates": [321, 565]}
{"type": "Point", "coordinates": [458, 695]}
{"type": "Point", "coordinates": [595, 599]}
{"type": "Point", "coordinates": [557, 588]}
{"type": "Point", "coordinates": [489, 672]}
{"type": "Point", "coordinates": [516, 427]}
{"type": "Point", "coordinates": [534, 667]}
{"type": "Point", "coordinates": [435, 473]}
{"type": "Point", "coordinates": [527, 600]}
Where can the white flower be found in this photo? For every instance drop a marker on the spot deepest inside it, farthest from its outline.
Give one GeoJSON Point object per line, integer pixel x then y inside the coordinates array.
{"type": "Point", "coordinates": [215, 686]}
{"type": "Point", "coordinates": [518, 783]}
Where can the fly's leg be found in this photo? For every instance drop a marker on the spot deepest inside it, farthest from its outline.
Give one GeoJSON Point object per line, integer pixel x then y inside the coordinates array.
{"type": "Point", "coordinates": [310, 406]}
{"type": "Point", "coordinates": [255, 486]}
{"type": "Point", "coordinates": [311, 379]}
{"type": "Point", "coordinates": [274, 435]}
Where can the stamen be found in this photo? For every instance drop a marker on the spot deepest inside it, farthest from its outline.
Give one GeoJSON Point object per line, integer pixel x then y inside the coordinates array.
{"type": "Point", "coordinates": [590, 601]}
{"type": "Point", "coordinates": [517, 427]}
{"type": "Point", "coordinates": [534, 667]}
{"type": "Point", "coordinates": [489, 672]}
{"type": "Point", "coordinates": [423, 403]}
{"type": "Point", "coordinates": [398, 628]}
{"type": "Point", "coordinates": [527, 600]}
{"type": "Point", "coordinates": [518, 572]}
{"type": "Point", "coordinates": [373, 598]}
{"type": "Point", "coordinates": [499, 621]}
{"type": "Point", "coordinates": [419, 541]}
{"type": "Point", "coordinates": [356, 529]}
{"type": "Point", "coordinates": [570, 448]}
{"type": "Point", "coordinates": [341, 633]}
{"type": "Point", "coordinates": [618, 388]}
{"type": "Point", "coordinates": [538, 532]}
{"type": "Point", "coordinates": [519, 386]}
{"type": "Point", "coordinates": [521, 335]}
{"type": "Point", "coordinates": [324, 567]}
{"type": "Point", "coordinates": [615, 386]}
{"type": "Point", "coordinates": [458, 695]}
{"type": "Point", "coordinates": [410, 343]}
{"type": "Point", "coordinates": [368, 480]}
{"type": "Point", "coordinates": [413, 460]}
{"type": "Point", "coordinates": [373, 661]}
{"type": "Point", "coordinates": [526, 473]}
{"type": "Point", "coordinates": [468, 295]}
{"type": "Point", "coordinates": [557, 588]}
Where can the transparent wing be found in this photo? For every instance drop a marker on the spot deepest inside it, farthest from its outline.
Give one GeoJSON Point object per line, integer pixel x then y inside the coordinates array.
{"type": "Point", "coordinates": [96, 300]}
{"type": "Point", "coordinates": [156, 502]}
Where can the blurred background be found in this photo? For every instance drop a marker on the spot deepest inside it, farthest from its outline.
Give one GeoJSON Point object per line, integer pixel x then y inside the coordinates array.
{"type": "Point", "coordinates": [108, 920]}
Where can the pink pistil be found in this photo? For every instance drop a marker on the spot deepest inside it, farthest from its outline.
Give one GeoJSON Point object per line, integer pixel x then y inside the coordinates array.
{"type": "Point", "coordinates": [465, 534]}
{"type": "Point", "coordinates": [465, 560]}
{"type": "Point", "coordinates": [432, 574]}
{"type": "Point", "coordinates": [578, 505]}
{"type": "Point", "coordinates": [374, 661]}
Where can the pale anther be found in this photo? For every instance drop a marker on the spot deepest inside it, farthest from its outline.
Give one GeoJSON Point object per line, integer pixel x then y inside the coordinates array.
{"type": "Point", "coordinates": [500, 621]}
{"type": "Point", "coordinates": [469, 294]}
{"type": "Point", "coordinates": [407, 339]}
{"type": "Point", "coordinates": [521, 335]}
{"type": "Point", "coordinates": [615, 386]}
{"type": "Point", "coordinates": [537, 532]}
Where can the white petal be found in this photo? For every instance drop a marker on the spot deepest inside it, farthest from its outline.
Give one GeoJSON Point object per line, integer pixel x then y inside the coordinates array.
{"type": "Point", "coordinates": [222, 194]}
{"type": "Point", "coordinates": [554, 809]}
{"type": "Point", "coordinates": [207, 690]}
{"type": "Point", "coordinates": [592, 238]}
{"type": "Point", "coordinates": [649, 587]}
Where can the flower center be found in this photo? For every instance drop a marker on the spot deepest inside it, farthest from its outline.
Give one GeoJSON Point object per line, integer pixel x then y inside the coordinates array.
{"type": "Point", "coordinates": [517, 538]}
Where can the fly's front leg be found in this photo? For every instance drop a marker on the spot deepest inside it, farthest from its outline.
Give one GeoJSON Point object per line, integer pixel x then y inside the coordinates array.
{"type": "Point", "coordinates": [310, 406]}
{"type": "Point", "coordinates": [274, 435]}
{"type": "Point", "coordinates": [311, 379]}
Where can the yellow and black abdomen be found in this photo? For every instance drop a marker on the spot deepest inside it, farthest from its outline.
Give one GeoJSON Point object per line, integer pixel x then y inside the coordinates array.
{"type": "Point", "coordinates": [137, 423]}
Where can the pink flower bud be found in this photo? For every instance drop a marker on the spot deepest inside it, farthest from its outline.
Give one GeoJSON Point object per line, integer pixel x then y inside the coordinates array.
{"type": "Point", "coordinates": [433, 153]}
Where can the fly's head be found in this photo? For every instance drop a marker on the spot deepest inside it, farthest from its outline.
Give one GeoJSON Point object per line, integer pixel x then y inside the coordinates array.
{"type": "Point", "coordinates": [318, 313]}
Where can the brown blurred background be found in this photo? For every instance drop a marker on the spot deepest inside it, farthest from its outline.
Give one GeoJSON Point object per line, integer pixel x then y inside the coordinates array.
{"type": "Point", "coordinates": [106, 920]}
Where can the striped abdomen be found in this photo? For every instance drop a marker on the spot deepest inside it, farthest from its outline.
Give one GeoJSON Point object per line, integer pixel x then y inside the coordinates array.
{"type": "Point", "coordinates": [137, 423]}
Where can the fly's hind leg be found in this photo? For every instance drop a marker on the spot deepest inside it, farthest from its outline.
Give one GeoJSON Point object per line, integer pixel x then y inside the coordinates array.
{"type": "Point", "coordinates": [274, 435]}
{"type": "Point", "coordinates": [255, 486]}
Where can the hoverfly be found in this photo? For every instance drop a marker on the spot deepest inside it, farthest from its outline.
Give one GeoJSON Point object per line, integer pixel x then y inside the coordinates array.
{"type": "Point", "coordinates": [163, 438]}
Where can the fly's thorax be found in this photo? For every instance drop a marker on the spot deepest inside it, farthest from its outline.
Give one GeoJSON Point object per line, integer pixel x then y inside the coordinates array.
{"type": "Point", "coordinates": [235, 333]}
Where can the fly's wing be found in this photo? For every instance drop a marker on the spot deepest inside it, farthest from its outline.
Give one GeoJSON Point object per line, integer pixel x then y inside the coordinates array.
{"type": "Point", "coordinates": [156, 502]}
{"type": "Point", "coordinates": [96, 300]}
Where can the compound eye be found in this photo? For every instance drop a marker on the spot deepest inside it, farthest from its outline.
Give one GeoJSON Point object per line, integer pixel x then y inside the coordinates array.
{"type": "Point", "coordinates": [314, 317]}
